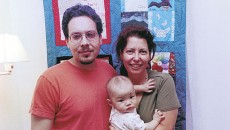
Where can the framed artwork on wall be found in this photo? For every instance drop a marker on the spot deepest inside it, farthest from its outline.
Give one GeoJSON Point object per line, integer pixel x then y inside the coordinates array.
{"type": "Point", "coordinates": [102, 8]}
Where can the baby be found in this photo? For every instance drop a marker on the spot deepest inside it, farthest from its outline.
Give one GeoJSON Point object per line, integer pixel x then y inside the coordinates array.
{"type": "Point", "coordinates": [122, 98]}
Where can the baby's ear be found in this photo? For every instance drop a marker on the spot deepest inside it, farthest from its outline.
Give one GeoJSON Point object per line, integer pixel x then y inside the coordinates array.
{"type": "Point", "coordinates": [109, 102]}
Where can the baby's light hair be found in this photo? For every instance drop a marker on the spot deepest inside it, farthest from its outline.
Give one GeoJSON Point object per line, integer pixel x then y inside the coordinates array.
{"type": "Point", "coordinates": [116, 81]}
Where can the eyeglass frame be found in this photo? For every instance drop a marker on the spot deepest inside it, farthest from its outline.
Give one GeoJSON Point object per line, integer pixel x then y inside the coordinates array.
{"type": "Point", "coordinates": [85, 34]}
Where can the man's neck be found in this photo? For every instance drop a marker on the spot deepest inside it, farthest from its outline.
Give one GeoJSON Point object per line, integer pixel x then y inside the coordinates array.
{"type": "Point", "coordinates": [82, 66]}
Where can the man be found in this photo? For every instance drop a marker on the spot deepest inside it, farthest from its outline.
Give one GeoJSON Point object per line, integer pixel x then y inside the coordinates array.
{"type": "Point", "coordinates": [72, 95]}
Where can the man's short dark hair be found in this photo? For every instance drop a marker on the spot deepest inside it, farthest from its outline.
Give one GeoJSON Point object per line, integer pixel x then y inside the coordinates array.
{"type": "Point", "coordinates": [80, 10]}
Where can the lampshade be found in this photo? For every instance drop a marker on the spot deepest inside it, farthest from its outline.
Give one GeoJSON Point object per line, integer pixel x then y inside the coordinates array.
{"type": "Point", "coordinates": [11, 49]}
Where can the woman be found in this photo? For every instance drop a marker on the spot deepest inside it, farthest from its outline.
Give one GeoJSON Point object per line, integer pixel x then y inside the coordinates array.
{"type": "Point", "coordinates": [134, 48]}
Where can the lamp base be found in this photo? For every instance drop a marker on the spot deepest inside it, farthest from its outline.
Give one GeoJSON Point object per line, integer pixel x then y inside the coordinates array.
{"type": "Point", "coordinates": [6, 68]}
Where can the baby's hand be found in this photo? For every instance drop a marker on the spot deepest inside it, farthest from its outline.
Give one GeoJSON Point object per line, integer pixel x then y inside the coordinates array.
{"type": "Point", "coordinates": [149, 86]}
{"type": "Point", "coordinates": [158, 116]}
{"type": "Point", "coordinates": [111, 128]}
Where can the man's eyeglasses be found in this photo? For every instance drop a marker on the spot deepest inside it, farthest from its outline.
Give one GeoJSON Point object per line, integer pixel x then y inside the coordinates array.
{"type": "Point", "coordinates": [90, 36]}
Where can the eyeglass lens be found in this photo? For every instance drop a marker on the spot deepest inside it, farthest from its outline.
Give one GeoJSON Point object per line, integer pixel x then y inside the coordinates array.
{"type": "Point", "coordinates": [77, 37]}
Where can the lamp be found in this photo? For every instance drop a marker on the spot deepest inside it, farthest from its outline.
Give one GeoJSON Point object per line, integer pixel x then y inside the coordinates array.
{"type": "Point", "coordinates": [11, 50]}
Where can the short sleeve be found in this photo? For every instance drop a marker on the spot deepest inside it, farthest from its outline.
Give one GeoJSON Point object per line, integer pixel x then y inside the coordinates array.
{"type": "Point", "coordinates": [44, 102]}
{"type": "Point", "coordinates": [167, 99]}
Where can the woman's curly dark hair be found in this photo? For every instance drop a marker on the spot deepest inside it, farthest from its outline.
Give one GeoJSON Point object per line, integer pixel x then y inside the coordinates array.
{"type": "Point", "coordinates": [134, 31]}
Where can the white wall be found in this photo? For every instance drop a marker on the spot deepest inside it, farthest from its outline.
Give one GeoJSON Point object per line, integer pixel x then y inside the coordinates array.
{"type": "Point", "coordinates": [208, 58]}
{"type": "Point", "coordinates": [24, 18]}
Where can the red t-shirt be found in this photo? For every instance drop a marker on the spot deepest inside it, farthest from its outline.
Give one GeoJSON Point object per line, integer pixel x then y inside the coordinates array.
{"type": "Point", "coordinates": [75, 99]}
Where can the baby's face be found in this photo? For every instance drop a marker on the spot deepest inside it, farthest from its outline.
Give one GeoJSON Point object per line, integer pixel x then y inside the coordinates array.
{"type": "Point", "coordinates": [124, 100]}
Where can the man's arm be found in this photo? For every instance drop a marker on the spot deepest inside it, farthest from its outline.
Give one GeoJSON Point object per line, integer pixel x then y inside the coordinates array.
{"type": "Point", "coordinates": [170, 120]}
{"type": "Point", "coordinates": [39, 123]}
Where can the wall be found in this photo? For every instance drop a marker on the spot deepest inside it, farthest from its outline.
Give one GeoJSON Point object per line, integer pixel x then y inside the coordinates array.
{"type": "Point", "coordinates": [208, 61]}
{"type": "Point", "coordinates": [24, 18]}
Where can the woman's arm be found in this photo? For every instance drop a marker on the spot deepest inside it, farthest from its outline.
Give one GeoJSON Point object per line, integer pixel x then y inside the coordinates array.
{"type": "Point", "coordinates": [170, 120]}
{"type": "Point", "coordinates": [38, 123]}
{"type": "Point", "coordinates": [168, 102]}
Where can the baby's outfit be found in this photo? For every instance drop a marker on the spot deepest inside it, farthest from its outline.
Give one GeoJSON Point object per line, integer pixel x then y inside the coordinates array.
{"type": "Point", "coordinates": [126, 121]}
